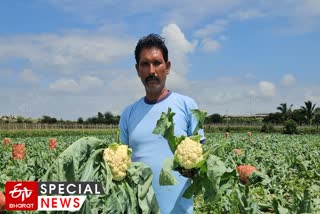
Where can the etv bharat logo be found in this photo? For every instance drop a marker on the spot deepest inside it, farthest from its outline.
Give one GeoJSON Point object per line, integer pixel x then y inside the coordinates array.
{"type": "Point", "coordinates": [22, 195]}
{"type": "Point", "coordinates": [53, 196]}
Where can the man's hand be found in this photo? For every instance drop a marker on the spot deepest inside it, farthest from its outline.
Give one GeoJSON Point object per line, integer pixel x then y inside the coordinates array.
{"type": "Point", "coordinates": [188, 173]}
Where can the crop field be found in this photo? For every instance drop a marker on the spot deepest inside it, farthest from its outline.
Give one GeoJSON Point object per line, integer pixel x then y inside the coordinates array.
{"type": "Point", "coordinates": [287, 177]}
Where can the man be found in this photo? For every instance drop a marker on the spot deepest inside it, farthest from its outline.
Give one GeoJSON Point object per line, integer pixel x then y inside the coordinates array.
{"type": "Point", "coordinates": [139, 119]}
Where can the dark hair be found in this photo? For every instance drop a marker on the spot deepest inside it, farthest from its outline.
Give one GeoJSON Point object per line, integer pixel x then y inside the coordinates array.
{"type": "Point", "coordinates": [152, 40]}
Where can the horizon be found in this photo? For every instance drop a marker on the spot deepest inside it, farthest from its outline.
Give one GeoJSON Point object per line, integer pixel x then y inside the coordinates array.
{"type": "Point", "coordinates": [76, 58]}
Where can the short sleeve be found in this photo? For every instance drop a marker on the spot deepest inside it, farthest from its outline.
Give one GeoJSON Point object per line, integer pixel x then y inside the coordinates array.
{"type": "Point", "coordinates": [123, 126]}
{"type": "Point", "coordinates": [192, 120]}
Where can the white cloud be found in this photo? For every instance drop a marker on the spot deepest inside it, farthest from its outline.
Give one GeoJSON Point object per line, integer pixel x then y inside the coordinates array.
{"type": "Point", "coordinates": [237, 96]}
{"type": "Point", "coordinates": [288, 80]}
{"type": "Point", "coordinates": [65, 85]}
{"type": "Point", "coordinates": [88, 82]}
{"type": "Point", "coordinates": [223, 38]}
{"type": "Point", "coordinates": [297, 14]}
{"type": "Point", "coordinates": [66, 53]}
{"type": "Point", "coordinates": [207, 43]}
{"type": "Point", "coordinates": [248, 14]}
{"type": "Point", "coordinates": [308, 8]}
{"type": "Point", "coordinates": [178, 11]}
{"type": "Point", "coordinates": [219, 95]}
{"type": "Point", "coordinates": [178, 47]}
{"type": "Point", "coordinates": [84, 60]}
{"type": "Point", "coordinates": [72, 86]}
{"type": "Point", "coordinates": [225, 95]}
{"type": "Point", "coordinates": [29, 76]}
{"type": "Point", "coordinates": [210, 45]}
{"type": "Point", "coordinates": [252, 93]}
{"type": "Point", "coordinates": [267, 88]}
{"type": "Point", "coordinates": [249, 75]}
{"type": "Point", "coordinates": [212, 29]}
{"type": "Point", "coordinates": [177, 40]}
{"type": "Point", "coordinates": [299, 17]}
{"type": "Point", "coordinates": [177, 81]}
{"type": "Point", "coordinates": [313, 96]}
{"type": "Point", "coordinates": [120, 86]}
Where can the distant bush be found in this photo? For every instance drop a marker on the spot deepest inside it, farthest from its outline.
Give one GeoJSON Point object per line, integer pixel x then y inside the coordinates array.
{"type": "Point", "coordinates": [267, 128]}
{"type": "Point", "coordinates": [309, 129]}
{"type": "Point", "coordinates": [232, 128]}
{"type": "Point", "coordinates": [54, 132]}
{"type": "Point", "coordinates": [290, 127]}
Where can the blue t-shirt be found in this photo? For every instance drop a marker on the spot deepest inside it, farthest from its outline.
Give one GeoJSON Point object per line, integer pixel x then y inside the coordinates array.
{"type": "Point", "coordinates": [136, 125]}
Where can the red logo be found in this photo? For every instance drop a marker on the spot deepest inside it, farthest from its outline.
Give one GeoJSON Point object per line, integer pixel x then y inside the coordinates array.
{"type": "Point", "coordinates": [21, 195]}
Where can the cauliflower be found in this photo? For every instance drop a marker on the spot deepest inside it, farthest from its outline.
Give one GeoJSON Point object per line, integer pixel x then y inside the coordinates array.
{"type": "Point", "coordinates": [189, 153]}
{"type": "Point", "coordinates": [245, 171]}
{"type": "Point", "coordinates": [118, 158]}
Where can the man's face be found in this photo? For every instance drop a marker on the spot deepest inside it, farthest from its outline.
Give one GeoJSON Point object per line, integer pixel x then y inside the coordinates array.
{"type": "Point", "coordinates": [152, 69]}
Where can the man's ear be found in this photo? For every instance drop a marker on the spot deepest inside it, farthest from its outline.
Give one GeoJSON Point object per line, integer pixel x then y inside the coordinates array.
{"type": "Point", "coordinates": [137, 69]}
{"type": "Point", "coordinates": [168, 65]}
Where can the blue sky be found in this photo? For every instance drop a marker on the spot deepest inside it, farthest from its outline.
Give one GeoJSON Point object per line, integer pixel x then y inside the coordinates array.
{"type": "Point", "coordinates": [73, 58]}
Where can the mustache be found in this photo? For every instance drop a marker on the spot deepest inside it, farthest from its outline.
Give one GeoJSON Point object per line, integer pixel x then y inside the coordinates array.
{"type": "Point", "coordinates": [150, 78]}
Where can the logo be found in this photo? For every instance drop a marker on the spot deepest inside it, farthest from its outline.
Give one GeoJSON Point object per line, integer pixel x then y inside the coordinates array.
{"type": "Point", "coordinates": [52, 196]}
{"type": "Point", "coordinates": [21, 195]}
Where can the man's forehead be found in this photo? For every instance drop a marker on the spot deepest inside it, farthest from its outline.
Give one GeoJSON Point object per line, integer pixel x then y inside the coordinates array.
{"type": "Point", "coordinates": [155, 51]}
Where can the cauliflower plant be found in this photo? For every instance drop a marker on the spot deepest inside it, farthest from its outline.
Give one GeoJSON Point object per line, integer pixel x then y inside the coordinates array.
{"type": "Point", "coordinates": [189, 153]}
{"type": "Point", "coordinates": [118, 158]}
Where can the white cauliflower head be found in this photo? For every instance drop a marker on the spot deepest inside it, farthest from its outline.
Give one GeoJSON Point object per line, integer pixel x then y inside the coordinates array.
{"type": "Point", "coordinates": [189, 153]}
{"type": "Point", "coordinates": [118, 158]}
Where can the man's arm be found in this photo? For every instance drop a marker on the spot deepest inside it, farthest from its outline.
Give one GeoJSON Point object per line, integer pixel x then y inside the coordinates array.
{"type": "Point", "coordinates": [123, 126]}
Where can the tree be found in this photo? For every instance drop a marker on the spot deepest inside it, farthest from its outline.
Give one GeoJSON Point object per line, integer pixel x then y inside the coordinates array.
{"type": "Point", "coordinates": [20, 119]}
{"type": "Point", "coordinates": [290, 127]}
{"type": "Point", "coordinates": [317, 119]}
{"type": "Point", "coordinates": [284, 110]}
{"type": "Point", "coordinates": [80, 120]}
{"type": "Point", "coordinates": [92, 120]}
{"type": "Point", "coordinates": [317, 116]}
{"type": "Point", "coordinates": [308, 110]}
{"type": "Point", "coordinates": [273, 118]}
{"type": "Point", "coordinates": [298, 116]}
{"type": "Point", "coordinates": [48, 119]}
{"type": "Point", "coordinates": [215, 118]}
{"type": "Point", "coordinates": [100, 117]}
{"type": "Point", "coordinates": [108, 117]}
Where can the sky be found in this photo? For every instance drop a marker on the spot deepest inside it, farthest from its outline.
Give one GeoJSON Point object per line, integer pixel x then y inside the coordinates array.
{"type": "Point", "coordinates": [73, 58]}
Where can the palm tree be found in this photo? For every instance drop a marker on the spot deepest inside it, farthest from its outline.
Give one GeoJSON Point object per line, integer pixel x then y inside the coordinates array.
{"type": "Point", "coordinates": [284, 110]}
{"type": "Point", "coordinates": [308, 110]}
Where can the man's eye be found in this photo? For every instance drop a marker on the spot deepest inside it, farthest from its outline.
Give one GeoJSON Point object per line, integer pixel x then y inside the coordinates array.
{"type": "Point", "coordinates": [144, 64]}
{"type": "Point", "coordinates": [157, 63]}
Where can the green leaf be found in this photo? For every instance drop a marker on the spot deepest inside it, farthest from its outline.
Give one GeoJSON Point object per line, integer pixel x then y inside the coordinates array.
{"type": "Point", "coordinates": [166, 176]}
{"type": "Point", "coordinates": [113, 146]}
{"type": "Point", "coordinates": [200, 117]}
{"type": "Point", "coordinates": [89, 168]}
{"type": "Point", "coordinates": [215, 167]}
{"type": "Point", "coordinates": [83, 161]}
{"type": "Point", "coordinates": [68, 164]}
{"type": "Point", "coordinates": [194, 188]}
{"type": "Point", "coordinates": [195, 138]}
{"type": "Point", "coordinates": [165, 128]}
{"type": "Point", "coordinates": [178, 140]}
{"type": "Point", "coordinates": [146, 196]}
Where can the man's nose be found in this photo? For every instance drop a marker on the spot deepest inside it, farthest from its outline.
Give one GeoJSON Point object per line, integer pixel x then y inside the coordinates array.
{"type": "Point", "coordinates": [152, 69]}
